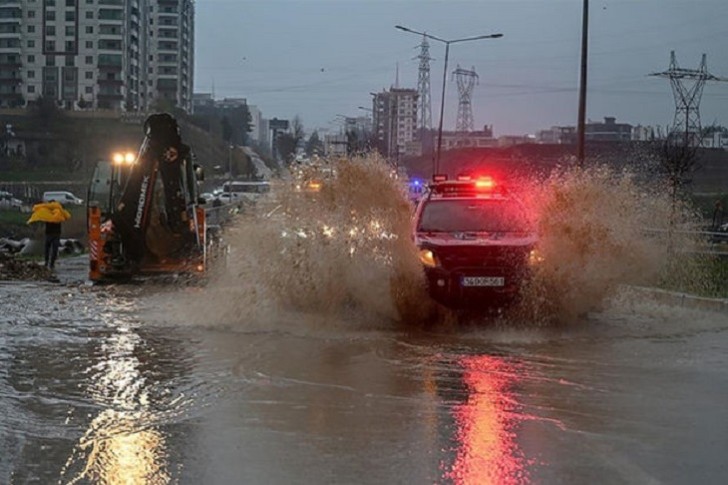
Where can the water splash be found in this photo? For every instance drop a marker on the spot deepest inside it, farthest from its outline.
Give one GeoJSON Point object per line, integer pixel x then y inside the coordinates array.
{"type": "Point", "coordinates": [599, 229]}
{"type": "Point", "coordinates": [341, 247]}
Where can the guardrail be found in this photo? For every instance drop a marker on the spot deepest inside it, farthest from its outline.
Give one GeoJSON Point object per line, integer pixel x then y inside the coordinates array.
{"type": "Point", "coordinates": [716, 242]}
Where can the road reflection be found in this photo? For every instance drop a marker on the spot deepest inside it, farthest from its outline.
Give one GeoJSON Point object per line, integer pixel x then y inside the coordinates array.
{"type": "Point", "coordinates": [122, 444]}
{"type": "Point", "coordinates": [485, 447]}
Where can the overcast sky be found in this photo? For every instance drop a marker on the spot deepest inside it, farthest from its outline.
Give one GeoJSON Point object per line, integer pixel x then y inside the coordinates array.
{"type": "Point", "coordinates": [321, 58]}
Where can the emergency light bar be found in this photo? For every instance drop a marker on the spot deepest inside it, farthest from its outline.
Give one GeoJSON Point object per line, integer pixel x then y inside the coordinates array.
{"type": "Point", "coordinates": [466, 184]}
{"type": "Point", "coordinates": [441, 177]}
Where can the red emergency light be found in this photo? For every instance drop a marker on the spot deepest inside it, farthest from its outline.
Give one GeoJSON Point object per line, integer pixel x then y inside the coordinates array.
{"type": "Point", "coordinates": [485, 183]}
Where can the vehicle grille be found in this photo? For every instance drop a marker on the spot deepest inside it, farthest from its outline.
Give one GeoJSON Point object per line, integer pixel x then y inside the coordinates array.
{"type": "Point", "coordinates": [464, 258]}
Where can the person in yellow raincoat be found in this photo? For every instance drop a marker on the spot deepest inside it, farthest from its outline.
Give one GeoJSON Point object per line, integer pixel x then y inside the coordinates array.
{"type": "Point", "coordinates": [52, 214]}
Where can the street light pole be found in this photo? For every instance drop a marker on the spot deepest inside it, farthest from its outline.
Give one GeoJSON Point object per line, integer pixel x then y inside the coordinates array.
{"type": "Point", "coordinates": [436, 168]}
{"type": "Point", "coordinates": [436, 164]}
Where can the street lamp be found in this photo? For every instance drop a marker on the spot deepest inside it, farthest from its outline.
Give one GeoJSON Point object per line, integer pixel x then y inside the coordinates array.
{"type": "Point", "coordinates": [436, 165]}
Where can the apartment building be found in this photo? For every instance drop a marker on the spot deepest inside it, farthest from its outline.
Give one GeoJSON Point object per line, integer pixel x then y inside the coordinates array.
{"type": "Point", "coordinates": [171, 51]}
{"type": "Point", "coordinates": [395, 121]}
{"type": "Point", "coordinates": [96, 54]}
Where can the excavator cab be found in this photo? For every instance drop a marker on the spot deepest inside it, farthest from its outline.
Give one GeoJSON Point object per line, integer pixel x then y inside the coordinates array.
{"type": "Point", "coordinates": [144, 213]}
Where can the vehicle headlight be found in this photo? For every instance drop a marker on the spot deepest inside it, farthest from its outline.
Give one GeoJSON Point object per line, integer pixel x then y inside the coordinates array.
{"type": "Point", "coordinates": [534, 257]}
{"type": "Point", "coordinates": [427, 258]}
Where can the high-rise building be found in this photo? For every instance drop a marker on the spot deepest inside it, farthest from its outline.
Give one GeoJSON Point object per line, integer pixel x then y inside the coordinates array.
{"type": "Point", "coordinates": [170, 43]}
{"type": "Point", "coordinates": [98, 54]}
{"type": "Point", "coordinates": [395, 121]}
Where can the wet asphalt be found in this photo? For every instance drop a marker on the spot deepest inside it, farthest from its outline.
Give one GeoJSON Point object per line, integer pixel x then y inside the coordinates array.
{"type": "Point", "coordinates": [93, 389]}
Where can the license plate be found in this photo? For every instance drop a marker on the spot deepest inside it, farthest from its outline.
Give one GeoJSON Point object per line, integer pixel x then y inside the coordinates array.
{"type": "Point", "coordinates": [483, 281]}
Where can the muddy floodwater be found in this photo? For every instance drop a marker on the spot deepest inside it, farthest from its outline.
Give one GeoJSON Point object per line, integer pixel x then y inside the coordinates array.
{"type": "Point", "coordinates": [94, 390]}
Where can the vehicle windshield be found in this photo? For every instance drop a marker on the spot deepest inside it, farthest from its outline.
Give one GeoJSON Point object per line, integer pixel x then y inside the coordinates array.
{"type": "Point", "coordinates": [476, 215]}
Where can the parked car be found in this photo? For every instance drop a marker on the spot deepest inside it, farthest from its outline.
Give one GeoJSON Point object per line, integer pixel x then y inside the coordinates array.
{"type": "Point", "coordinates": [63, 197]}
{"type": "Point", "coordinates": [247, 191]}
{"type": "Point", "coordinates": [8, 202]}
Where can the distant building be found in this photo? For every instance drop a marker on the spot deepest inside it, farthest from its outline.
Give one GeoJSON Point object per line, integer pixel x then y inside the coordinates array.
{"type": "Point", "coordinates": [205, 104]}
{"type": "Point", "coordinates": [111, 54]}
{"type": "Point", "coordinates": [395, 121]}
{"type": "Point", "coordinates": [256, 118]}
{"type": "Point", "coordinates": [609, 130]}
{"type": "Point", "coordinates": [202, 103]}
{"type": "Point", "coordinates": [557, 135]}
{"type": "Point", "coordinates": [335, 144]}
{"type": "Point", "coordinates": [510, 140]}
{"type": "Point", "coordinates": [470, 139]}
{"type": "Point", "coordinates": [231, 103]}
{"type": "Point", "coordinates": [643, 133]}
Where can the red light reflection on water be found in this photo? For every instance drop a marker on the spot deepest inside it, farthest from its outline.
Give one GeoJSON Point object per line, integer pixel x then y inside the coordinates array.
{"type": "Point", "coordinates": [486, 449]}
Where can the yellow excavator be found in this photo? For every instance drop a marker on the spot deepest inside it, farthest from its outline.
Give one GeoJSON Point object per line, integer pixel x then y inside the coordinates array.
{"type": "Point", "coordinates": [144, 212]}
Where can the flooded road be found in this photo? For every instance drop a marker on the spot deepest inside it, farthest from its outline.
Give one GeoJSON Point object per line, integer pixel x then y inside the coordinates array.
{"type": "Point", "coordinates": [96, 386]}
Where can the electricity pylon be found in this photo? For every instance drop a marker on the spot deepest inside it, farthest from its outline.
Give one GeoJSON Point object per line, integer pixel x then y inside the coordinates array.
{"type": "Point", "coordinates": [687, 89]}
{"type": "Point", "coordinates": [466, 81]}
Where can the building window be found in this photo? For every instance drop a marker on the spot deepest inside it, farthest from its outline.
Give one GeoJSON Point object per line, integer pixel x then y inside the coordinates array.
{"type": "Point", "coordinates": [89, 59]}
{"type": "Point", "coordinates": [70, 15]}
{"type": "Point", "coordinates": [89, 90]}
{"type": "Point", "coordinates": [89, 75]}
{"type": "Point", "coordinates": [89, 29]}
{"type": "Point", "coordinates": [31, 58]}
{"type": "Point", "coordinates": [31, 14]}
{"type": "Point", "coordinates": [89, 44]}
{"type": "Point", "coordinates": [50, 30]}
{"type": "Point", "coordinates": [50, 15]}
{"type": "Point", "coordinates": [31, 29]}
{"type": "Point", "coordinates": [31, 74]}
{"type": "Point", "coordinates": [70, 3]}
{"type": "Point", "coordinates": [50, 46]}
{"type": "Point", "coordinates": [31, 89]}
{"type": "Point", "coordinates": [70, 31]}
{"type": "Point", "coordinates": [31, 43]}
{"type": "Point", "coordinates": [89, 14]}
{"type": "Point", "coordinates": [70, 46]}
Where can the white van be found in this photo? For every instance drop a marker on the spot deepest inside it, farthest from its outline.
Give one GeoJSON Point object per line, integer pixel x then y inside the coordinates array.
{"type": "Point", "coordinates": [244, 190]}
{"type": "Point", "coordinates": [62, 197]}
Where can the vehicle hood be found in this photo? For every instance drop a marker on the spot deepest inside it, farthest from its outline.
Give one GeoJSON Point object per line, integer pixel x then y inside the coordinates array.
{"type": "Point", "coordinates": [475, 239]}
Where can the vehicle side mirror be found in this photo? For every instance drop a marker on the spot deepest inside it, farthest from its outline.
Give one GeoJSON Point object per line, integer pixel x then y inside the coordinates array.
{"type": "Point", "coordinates": [199, 172]}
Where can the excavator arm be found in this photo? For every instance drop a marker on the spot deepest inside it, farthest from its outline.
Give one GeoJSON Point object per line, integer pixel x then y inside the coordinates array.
{"type": "Point", "coordinates": [159, 194]}
{"type": "Point", "coordinates": [154, 222]}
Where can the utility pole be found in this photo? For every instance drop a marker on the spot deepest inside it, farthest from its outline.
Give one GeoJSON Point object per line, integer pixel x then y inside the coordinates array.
{"type": "Point", "coordinates": [581, 126]}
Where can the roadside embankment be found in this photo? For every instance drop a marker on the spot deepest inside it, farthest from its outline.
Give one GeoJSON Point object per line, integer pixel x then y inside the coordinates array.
{"type": "Point", "coordinates": [682, 300]}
